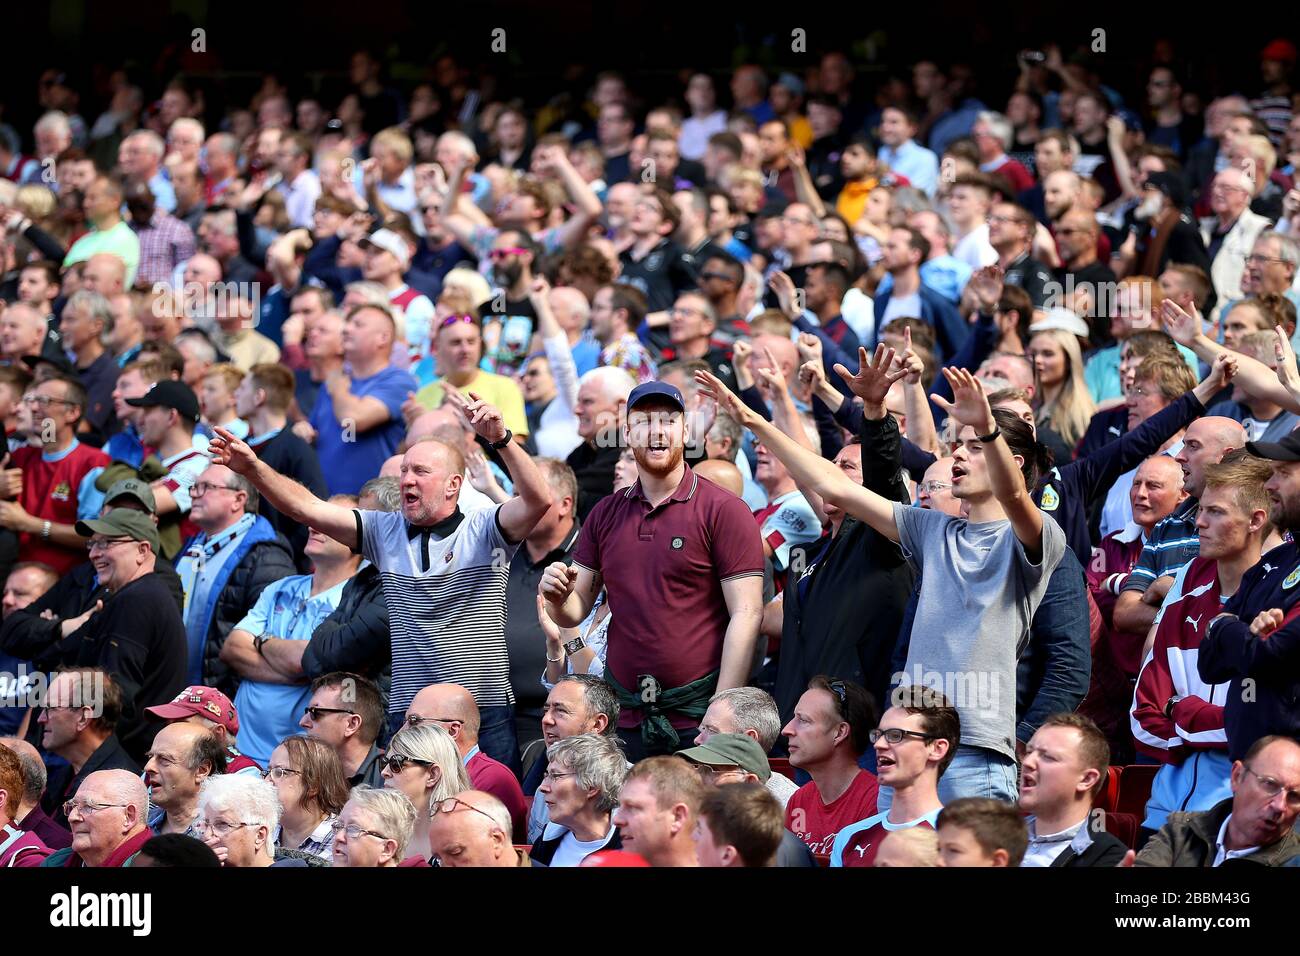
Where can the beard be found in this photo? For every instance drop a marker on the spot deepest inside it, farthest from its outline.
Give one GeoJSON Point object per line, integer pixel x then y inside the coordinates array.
{"type": "Point", "coordinates": [657, 469]}
{"type": "Point", "coordinates": [507, 274]}
{"type": "Point", "coordinates": [1285, 515]}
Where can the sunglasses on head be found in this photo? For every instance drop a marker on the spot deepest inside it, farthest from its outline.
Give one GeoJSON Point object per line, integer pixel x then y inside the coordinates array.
{"type": "Point", "coordinates": [453, 319]}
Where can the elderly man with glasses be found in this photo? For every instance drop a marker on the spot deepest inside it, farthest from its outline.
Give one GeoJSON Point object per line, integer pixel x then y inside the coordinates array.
{"type": "Point", "coordinates": [107, 819]}
{"type": "Point", "coordinates": [473, 829]}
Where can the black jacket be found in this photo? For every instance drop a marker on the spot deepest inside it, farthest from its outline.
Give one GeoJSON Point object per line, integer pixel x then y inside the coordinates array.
{"type": "Point", "coordinates": [265, 563]}
{"type": "Point", "coordinates": [63, 783]}
{"type": "Point", "coordinates": [354, 637]}
{"type": "Point", "coordinates": [543, 850]}
{"type": "Point", "coordinates": [1106, 850]}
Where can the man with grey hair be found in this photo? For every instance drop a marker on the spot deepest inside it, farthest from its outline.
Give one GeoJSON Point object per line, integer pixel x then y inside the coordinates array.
{"type": "Point", "coordinates": [602, 393]}
{"type": "Point", "coordinates": [752, 712]}
{"type": "Point", "coordinates": [473, 829]}
{"type": "Point", "coordinates": [53, 134]}
{"type": "Point", "coordinates": [992, 134]}
{"type": "Point", "coordinates": [87, 321]}
{"type": "Point", "coordinates": [1230, 234]}
{"type": "Point", "coordinates": [182, 756]}
{"type": "Point", "coordinates": [1270, 267]}
{"type": "Point", "coordinates": [107, 819]}
{"type": "Point", "coordinates": [373, 829]}
{"type": "Point", "coordinates": [140, 157]}
{"type": "Point", "coordinates": [577, 704]}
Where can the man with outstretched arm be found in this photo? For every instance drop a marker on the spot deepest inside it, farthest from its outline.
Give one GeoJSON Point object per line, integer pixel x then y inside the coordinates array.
{"type": "Point", "coordinates": [444, 571]}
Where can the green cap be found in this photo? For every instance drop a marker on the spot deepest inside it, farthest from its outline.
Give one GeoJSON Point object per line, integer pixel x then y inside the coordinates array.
{"type": "Point", "coordinates": [731, 750]}
{"type": "Point", "coordinates": [132, 488]}
{"type": "Point", "coordinates": [122, 523]}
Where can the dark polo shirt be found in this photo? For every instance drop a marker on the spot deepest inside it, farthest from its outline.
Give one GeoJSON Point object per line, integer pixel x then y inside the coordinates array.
{"type": "Point", "coordinates": [523, 634]}
{"type": "Point", "coordinates": [663, 570]}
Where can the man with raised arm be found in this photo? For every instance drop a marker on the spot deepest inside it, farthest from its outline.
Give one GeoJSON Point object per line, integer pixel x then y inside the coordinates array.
{"type": "Point", "coordinates": [444, 571]}
{"type": "Point", "coordinates": [989, 570]}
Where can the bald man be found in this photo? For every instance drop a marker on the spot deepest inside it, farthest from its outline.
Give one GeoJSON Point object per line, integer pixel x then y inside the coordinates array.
{"type": "Point", "coordinates": [104, 273]}
{"type": "Point", "coordinates": [602, 393]}
{"type": "Point", "coordinates": [452, 707]}
{"type": "Point", "coordinates": [722, 473]}
{"type": "Point", "coordinates": [107, 821]}
{"type": "Point", "coordinates": [181, 757]}
{"type": "Point", "coordinates": [1175, 541]}
{"type": "Point", "coordinates": [446, 425]}
{"type": "Point", "coordinates": [475, 832]}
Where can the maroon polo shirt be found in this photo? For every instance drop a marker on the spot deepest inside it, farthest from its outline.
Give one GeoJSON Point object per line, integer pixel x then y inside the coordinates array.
{"type": "Point", "coordinates": [663, 570]}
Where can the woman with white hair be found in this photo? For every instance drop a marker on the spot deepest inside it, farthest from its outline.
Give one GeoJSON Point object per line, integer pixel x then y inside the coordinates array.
{"type": "Point", "coordinates": [423, 763]}
{"type": "Point", "coordinates": [583, 776]}
{"type": "Point", "coordinates": [374, 829]}
{"type": "Point", "coordinates": [237, 815]}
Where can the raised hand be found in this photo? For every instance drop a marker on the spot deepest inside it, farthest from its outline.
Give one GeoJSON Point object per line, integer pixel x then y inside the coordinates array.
{"type": "Point", "coordinates": [986, 285]}
{"type": "Point", "coordinates": [875, 375]}
{"type": "Point", "coordinates": [539, 291]}
{"type": "Point", "coordinates": [485, 419]}
{"type": "Point", "coordinates": [910, 362]}
{"type": "Point", "coordinates": [726, 399]}
{"type": "Point", "coordinates": [1183, 325]}
{"type": "Point", "coordinates": [970, 406]}
{"type": "Point", "coordinates": [812, 375]}
{"type": "Point", "coordinates": [810, 347]}
{"type": "Point", "coordinates": [1222, 371]}
{"type": "Point", "coordinates": [234, 453]}
{"type": "Point", "coordinates": [783, 286]}
{"type": "Point", "coordinates": [558, 581]}
{"type": "Point", "coordinates": [550, 630]}
{"type": "Point", "coordinates": [1286, 363]}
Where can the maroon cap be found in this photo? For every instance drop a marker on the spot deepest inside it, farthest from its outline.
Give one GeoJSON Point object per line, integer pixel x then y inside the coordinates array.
{"type": "Point", "coordinates": [205, 701]}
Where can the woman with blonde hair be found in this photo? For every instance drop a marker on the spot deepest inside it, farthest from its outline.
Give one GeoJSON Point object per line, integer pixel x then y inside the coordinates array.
{"type": "Point", "coordinates": [423, 763]}
{"type": "Point", "coordinates": [1061, 399]}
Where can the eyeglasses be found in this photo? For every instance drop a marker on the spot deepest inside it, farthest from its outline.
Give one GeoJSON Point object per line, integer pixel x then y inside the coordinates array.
{"type": "Point", "coordinates": [201, 488]}
{"type": "Point", "coordinates": [1003, 219]}
{"type": "Point", "coordinates": [895, 735]}
{"type": "Point", "coordinates": [315, 712]}
{"type": "Point", "coordinates": [1273, 787]}
{"type": "Point", "coordinates": [397, 762]}
{"type": "Point", "coordinates": [716, 275]}
{"type": "Point", "coordinates": [550, 777]}
{"type": "Point", "coordinates": [930, 487]}
{"type": "Point", "coordinates": [841, 692]}
{"type": "Point", "coordinates": [278, 773]}
{"type": "Point", "coordinates": [85, 807]}
{"type": "Point", "coordinates": [496, 255]}
{"type": "Point", "coordinates": [452, 804]}
{"type": "Point", "coordinates": [353, 831]}
{"type": "Point", "coordinates": [415, 720]}
{"type": "Point", "coordinates": [1256, 260]}
{"type": "Point", "coordinates": [103, 544]}
{"type": "Point", "coordinates": [44, 401]}
{"type": "Point", "coordinates": [221, 828]}
{"type": "Point", "coordinates": [453, 319]}
{"type": "Point", "coordinates": [710, 774]}
{"type": "Point", "coordinates": [795, 221]}
{"type": "Point", "coordinates": [678, 313]}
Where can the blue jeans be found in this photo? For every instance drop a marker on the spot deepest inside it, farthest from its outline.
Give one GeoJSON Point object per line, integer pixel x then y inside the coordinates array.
{"type": "Point", "coordinates": [974, 772]}
{"type": "Point", "coordinates": [497, 737]}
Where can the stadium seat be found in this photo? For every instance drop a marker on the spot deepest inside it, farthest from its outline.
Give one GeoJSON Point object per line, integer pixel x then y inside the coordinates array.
{"type": "Point", "coordinates": [781, 765]}
{"type": "Point", "coordinates": [1135, 788]}
{"type": "Point", "coordinates": [1124, 826]}
{"type": "Point", "coordinates": [1108, 799]}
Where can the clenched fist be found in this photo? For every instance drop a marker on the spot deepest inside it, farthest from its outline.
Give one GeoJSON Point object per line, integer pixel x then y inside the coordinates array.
{"type": "Point", "coordinates": [557, 582]}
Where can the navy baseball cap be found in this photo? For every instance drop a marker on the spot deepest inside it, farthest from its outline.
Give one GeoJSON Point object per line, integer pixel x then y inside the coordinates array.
{"type": "Point", "coordinates": [1288, 449]}
{"type": "Point", "coordinates": [655, 390]}
{"type": "Point", "coordinates": [170, 394]}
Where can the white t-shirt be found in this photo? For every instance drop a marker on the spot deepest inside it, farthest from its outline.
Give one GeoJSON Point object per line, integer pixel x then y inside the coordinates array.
{"type": "Point", "coordinates": [901, 307]}
{"type": "Point", "coordinates": [975, 250]}
{"type": "Point", "coordinates": [573, 851]}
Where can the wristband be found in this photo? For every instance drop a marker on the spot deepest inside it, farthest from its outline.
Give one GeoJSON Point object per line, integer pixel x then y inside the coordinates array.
{"type": "Point", "coordinates": [498, 445]}
{"type": "Point", "coordinates": [990, 437]}
{"type": "Point", "coordinates": [555, 660]}
{"type": "Point", "coordinates": [258, 643]}
{"type": "Point", "coordinates": [45, 531]}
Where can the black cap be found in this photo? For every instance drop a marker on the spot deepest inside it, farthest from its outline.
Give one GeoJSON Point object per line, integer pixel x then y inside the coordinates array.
{"type": "Point", "coordinates": [1288, 449]}
{"type": "Point", "coordinates": [58, 361]}
{"type": "Point", "coordinates": [1169, 184]}
{"type": "Point", "coordinates": [170, 394]}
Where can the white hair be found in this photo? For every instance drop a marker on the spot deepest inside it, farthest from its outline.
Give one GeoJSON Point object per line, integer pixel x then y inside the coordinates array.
{"type": "Point", "coordinates": [471, 281]}
{"type": "Point", "coordinates": [190, 123]}
{"type": "Point", "coordinates": [998, 125]}
{"type": "Point", "coordinates": [572, 300]}
{"type": "Point", "coordinates": [613, 381]}
{"type": "Point", "coordinates": [460, 142]}
{"type": "Point", "coordinates": [55, 121]}
{"type": "Point", "coordinates": [122, 786]}
{"type": "Point", "coordinates": [393, 811]}
{"type": "Point", "coordinates": [151, 142]}
{"type": "Point", "coordinates": [251, 798]}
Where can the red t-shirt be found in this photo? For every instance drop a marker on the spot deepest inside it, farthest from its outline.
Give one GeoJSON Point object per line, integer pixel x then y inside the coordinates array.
{"type": "Point", "coordinates": [50, 493]}
{"type": "Point", "coordinates": [495, 778]}
{"type": "Point", "coordinates": [816, 823]}
{"type": "Point", "coordinates": [663, 570]}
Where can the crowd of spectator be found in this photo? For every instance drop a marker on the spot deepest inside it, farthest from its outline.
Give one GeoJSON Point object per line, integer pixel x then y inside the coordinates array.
{"type": "Point", "coordinates": [790, 471]}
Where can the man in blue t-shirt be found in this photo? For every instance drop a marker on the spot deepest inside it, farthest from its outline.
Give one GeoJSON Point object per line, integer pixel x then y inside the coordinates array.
{"type": "Point", "coordinates": [358, 412]}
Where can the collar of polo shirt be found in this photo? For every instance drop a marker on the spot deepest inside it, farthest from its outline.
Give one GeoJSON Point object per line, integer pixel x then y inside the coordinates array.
{"type": "Point", "coordinates": [443, 528]}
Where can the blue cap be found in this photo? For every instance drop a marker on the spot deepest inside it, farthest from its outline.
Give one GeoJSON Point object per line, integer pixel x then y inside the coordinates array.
{"type": "Point", "coordinates": [655, 390]}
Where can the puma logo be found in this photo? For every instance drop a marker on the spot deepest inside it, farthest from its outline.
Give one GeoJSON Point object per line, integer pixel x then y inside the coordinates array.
{"type": "Point", "coordinates": [1268, 568]}
{"type": "Point", "coordinates": [862, 850]}
{"type": "Point", "coordinates": [1195, 622]}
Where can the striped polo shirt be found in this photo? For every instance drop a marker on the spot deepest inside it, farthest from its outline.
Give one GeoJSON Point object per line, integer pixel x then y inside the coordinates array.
{"type": "Point", "coordinates": [1172, 543]}
{"type": "Point", "coordinates": [445, 586]}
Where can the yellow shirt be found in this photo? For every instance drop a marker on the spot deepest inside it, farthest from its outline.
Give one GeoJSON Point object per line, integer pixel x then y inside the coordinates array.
{"type": "Point", "coordinates": [492, 388]}
{"type": "Point", "coordinates": [801, 131]}
{"type": "Point", "coordinates": [852, 200]}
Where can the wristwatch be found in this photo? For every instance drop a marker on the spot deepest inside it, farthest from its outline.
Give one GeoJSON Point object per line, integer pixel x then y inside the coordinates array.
{"type": "Point", "coordinates": [1169, 705]}
{"type": "Point", "coordinates": [498, 445]}
{"type": "Point", "coordinates": [45, 531]}
{"type": "Point", "coordinates": [258, 642]}
{"type": "Point", "coordinates": [572, 647]}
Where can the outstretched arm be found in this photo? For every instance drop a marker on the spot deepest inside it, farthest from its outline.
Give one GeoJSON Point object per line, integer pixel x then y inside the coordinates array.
{"type": "Point", "coordinates": [1280, 387]}
{"type": "Point", "coordinates": [807, 468]}
{"type": "Point", "coordinates": [285, 495]}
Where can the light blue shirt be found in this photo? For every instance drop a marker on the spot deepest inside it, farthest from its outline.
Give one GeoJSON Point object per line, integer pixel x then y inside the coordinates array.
{"type": "Point", "coordinates": [270, 712]}
{"type": "Point", "coordinates": [918, 164]}
{"type": "Point", "coordinates": [163, 193]}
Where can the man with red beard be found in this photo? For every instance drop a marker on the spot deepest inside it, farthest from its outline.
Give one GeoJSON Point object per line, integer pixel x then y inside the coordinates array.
{"type": "Point", "coordinates": [674, 545]}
